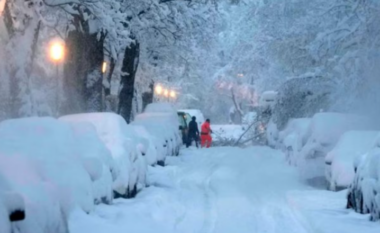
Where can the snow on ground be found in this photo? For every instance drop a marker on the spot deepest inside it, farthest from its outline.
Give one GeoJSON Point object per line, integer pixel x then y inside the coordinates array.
{"type": "Point", "coordinates": [225, 190]}
{"type": "Point", "coordinates": [222, 134]}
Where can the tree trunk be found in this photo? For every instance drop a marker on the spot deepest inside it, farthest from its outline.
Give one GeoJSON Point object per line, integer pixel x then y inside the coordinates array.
{"type": "Point", "coordinates": [129, 68]}
{"type": "Point", "coordinates": [82, 71]}
{"type": "Point", "coordinates": [147, 97]}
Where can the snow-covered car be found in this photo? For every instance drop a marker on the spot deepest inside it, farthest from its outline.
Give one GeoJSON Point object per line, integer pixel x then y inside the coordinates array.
{"type": "Point", "coordinates": [197, 113]}
{"type": "Point", "coordinates": [12, 205]}
{"type": "Point", "coordinates": [148, 144]}
{"type": "Point", "coordinates": [340, 160]}
{"type": "Point", "coordinates": [162, 127]}
{"type": "Point", "coordinates": [53, 181]}
{"type": "Point", "coordinates": [121, 141]}
{"type": "Point", "coordinates": [97, 160]}
{"type": "Point", "coordinates": [293, 138]}
{"type": "Point", "coordinates": [323, 133]}
{"type": "Point", "coordinates": [165, 114]}
{"type": "Point", "coordinates": [363, 194]}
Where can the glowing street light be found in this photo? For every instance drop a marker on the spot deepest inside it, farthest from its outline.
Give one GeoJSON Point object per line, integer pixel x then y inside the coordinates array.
{"type": "Point", "coordinates": [240, 75]}
{"type": "Point", "coordinates": [104, 67]}
{"type": "Point", "coordinates": [158, 89]}
{"type": "Point", "coordinates": [57, 54]}
{"type": "Point", "coordinates": [173, 94]}
{"type": "Point", "coordinates": [57, 51]}
{"type": "Point", "coordinates": [166, 93]}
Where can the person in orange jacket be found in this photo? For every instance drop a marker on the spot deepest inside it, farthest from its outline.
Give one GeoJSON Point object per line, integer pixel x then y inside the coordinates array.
{"type": "Point", "coordinates": [206, 131]}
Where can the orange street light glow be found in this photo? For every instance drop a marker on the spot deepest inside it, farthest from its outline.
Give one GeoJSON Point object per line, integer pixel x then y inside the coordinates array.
{"type": "Point", "coordinates": [104, 67]}
{"type": "Point", "coordinates": [57, 51]}
{"type": "Point", "coordinates": [166, 92]}
{"type": "Point", "coordinates": [158, 89]}
{"type": "Point", "coordinates": [173, 94]}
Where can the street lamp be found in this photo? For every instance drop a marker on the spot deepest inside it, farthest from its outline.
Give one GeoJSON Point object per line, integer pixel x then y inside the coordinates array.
{"type": "Point", "coordinates": [57, 53]}
{"type": "Point", "coordinates": [104, 67]}
{"type": "Point", "coordinates": [166, 93]}
{"type": "Point", "coordinates": [173, 94]}
{"type": "Point", "coordinates": [158, 89]}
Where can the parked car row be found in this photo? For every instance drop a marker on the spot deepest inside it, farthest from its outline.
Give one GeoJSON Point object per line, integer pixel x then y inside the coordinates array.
{"type": "Point", "coordinates": [325, 146]}
{"type": "Point", "coordinates": [51, 166]}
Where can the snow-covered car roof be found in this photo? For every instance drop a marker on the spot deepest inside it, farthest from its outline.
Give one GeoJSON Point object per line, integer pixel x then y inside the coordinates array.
{"type": "Point", "coordinates": [329, 127]}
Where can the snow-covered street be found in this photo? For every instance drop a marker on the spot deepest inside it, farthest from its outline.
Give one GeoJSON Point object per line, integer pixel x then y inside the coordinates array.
{"type": "Point", "coordinates": [225, 190]}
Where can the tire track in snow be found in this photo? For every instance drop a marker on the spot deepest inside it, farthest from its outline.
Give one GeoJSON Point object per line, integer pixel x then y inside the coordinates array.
{"type": "Point", "coordinates": [198, 177]}
{"type": "Point", "coordinates": [210, 206]}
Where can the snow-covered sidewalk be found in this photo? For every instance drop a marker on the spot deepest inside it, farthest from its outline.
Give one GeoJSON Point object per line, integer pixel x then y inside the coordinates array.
{"type": "Point", "coordinates": [225, 190]}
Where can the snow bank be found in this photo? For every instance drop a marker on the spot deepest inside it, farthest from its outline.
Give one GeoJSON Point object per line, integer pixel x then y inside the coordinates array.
{"type": "Point", "coordinates": [340, 161]}
{"type": "Point", "coordinates": [323, 133]}
{"type": "Point", "coordinates": [40, 159]}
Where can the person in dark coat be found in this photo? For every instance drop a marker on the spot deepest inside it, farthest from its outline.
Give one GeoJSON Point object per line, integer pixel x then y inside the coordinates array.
{"type": "Point", "coordinates": [193, 133]}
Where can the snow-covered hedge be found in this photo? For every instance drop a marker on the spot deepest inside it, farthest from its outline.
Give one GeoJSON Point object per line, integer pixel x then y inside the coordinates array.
{"type": "Point", "coordinates": [364, 192]}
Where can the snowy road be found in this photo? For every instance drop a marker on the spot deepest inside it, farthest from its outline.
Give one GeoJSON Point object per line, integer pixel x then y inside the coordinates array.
{"type": "Point", "coordinates": [225, 190]}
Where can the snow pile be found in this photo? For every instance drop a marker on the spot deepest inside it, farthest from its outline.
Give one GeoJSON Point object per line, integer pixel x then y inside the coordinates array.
{"type": "Point", "coordinates": [121, 141]}
{"type": "Point", "coordinates": [340, 161]}
{"type": "Point", "coordinates": [226, 135]}
{"type": "Point", "coordinates": [323, 133]}
{"type": "Point", "coordinates": [40, 159]}
{"type": "Point", "coordinates": [364, 192]}
{"type": "Point", "coordinates": [293, 138]}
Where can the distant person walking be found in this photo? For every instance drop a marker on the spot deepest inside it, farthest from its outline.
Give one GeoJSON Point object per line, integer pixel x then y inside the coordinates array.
{"type": "Point", "coordinates": [193, 133]}
{"type": "Point", "coordinates": [206, 131]}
